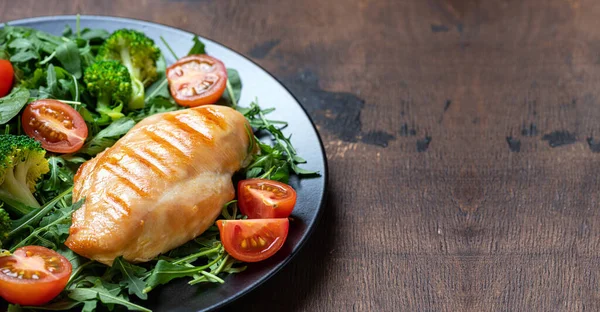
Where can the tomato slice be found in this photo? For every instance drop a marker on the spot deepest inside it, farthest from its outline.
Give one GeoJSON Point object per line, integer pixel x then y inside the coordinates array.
{"type": "Point", "coordinates": [33, 275]}
{"type": "Point", "coordinates": [260, 199]}
{"type": "Point", "coordinates": [253, 240]}
{"type": "Point", "coordinates": [58, 126]}
{"type": "Point", "coordinates": [7, 74]}
{"type": "Point", "coordinates": [197, 80]}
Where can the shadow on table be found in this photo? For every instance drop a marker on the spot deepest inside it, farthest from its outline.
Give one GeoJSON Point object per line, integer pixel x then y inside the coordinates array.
{"type": "Point", "coordinates": [296, 283]}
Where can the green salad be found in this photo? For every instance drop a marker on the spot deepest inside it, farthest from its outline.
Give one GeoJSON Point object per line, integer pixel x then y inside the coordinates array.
{"type": "Point", "coordinates": [112, 80]}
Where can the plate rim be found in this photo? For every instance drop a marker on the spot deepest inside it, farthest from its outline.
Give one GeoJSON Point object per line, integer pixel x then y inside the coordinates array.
{"type": "Point", "coordinates": [324, 175]}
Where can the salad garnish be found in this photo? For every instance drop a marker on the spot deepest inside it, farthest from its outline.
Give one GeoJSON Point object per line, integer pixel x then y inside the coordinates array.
{"type": "Point", "coordinates": [51, 88]}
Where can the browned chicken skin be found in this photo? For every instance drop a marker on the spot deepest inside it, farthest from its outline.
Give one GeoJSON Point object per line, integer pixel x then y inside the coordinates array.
{"type": "Point", "coordinates": [159, 186]}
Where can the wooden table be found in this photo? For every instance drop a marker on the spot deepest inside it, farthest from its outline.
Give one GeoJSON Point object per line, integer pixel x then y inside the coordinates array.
{"type": "Point", "coordinates": [462, 138]}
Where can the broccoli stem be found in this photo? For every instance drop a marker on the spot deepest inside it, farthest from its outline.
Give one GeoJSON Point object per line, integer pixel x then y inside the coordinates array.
{"type": "Point", "coordinates": [126, 60]}
{"type": "Point", "coordinates": [137, 98]}
{"type": "Point", "coordinates": [103, 107]}
{"type": "Point", "coordinates": [20, 190]}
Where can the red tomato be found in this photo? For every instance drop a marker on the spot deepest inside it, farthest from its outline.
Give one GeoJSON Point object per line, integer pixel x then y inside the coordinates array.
{"type": "Point", "coordinates": [197, 80]}
{"type": "Point", "coordinates": [7, 74]}
{"type": "Point", "coordinates": [33, 275]}
{"type": "Point", "coordinates": [260, 199]}
{"type": "Point", "coordinates": [253, 240]}
{"type": "Point", "coordinates": [58, 126]}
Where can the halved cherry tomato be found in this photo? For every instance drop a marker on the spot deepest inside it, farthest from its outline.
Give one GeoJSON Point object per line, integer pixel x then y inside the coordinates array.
{"type": "Point", "coordinates": [260, 199]}
{"type": "Point", "coordinates": [253, 240]}
{"type": "Point", "coordinates": [7, 74]}
{"type": "Point", "coordinates": [58, 126]}
{"type": "Point", "coordinates": [197, 80]}
{"type": "Point", "coordinates": [33, 275]}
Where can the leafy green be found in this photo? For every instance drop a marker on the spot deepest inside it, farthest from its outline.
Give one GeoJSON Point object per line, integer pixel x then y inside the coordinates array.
{"type": "Point", "coordinates": [165, 271]}
{"type": "Point", "coordinates": [52, 228]}
{"type": "Point", "coordinates": [12, 104]}
{"type": "Point", "coordinates": [169, 47]}
{"type": "Point", "coordinates": [233, 92]}
{"type": "Point", "coordinates": [277, 161]}
{"type": "Point", "coordinates": [98, 35]}
{"type": "Point", "coordinates": [68, 55]}
{"type": "Point", "coordinates": [198, 47]}
{"type": "Point", "coordinates": [60, 175]}
{"type": "Point", "coordinates": [107, 136]}
{"type": "Point", "coordinates": [31, 219]}
{"type": "Point", "coordinates": [132, 277]}
{"type": "Point", "coordinates": [107, 293]}
{"type": "Point", "coordinates": [48, 66]}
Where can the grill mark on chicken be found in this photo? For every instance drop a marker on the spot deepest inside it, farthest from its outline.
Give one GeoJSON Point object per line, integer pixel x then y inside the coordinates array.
{"type": "Point", "coordinates": [183, 123]}
{"type": "Point", "coordinates": [164, 142]}
{"type": "Point", "coordinates": [148, 159]}
{"type": "Point", "coordinates": [211, 116]}
{"type": "Point", "coordinates": [118, 204]}
{"type": "Point", "coordinates": [125, 176]}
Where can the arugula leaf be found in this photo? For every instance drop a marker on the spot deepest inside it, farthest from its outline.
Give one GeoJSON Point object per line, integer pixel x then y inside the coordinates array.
{"type": "Point", "coordinates": [75, 259]}
{"type": "Point", "coordinates": [68, 55]}
{"type": "Point", "coordinates": [53, 225]}
{"type": "Point", "coordinates": [198, 47]}
{"type": "Point", "coordinates": [106, 293]}
{"type": "Point", "coordinates": [94, 34]}
{"type": "Point", "coordinates": [107, 136]}
{"type": "Point", "coordinates": [21, 43]}
{"type": "Point", "coordinates": [24, 56]}
{"type": "Point", "coordinates": [12, 104]}
{"type": "Point", "coordinates": [35, 80]}
{"type": "Point", "coordinates": [234, 89]}
{"type": "Point", "coordinates": [59, 173]}
{"type": "Point", "coordinates": [132, 277]}
{"type": "Point", "coordinates": [35, 216]}
{"type": "Point", "coordinates": [51, 80]}
{"type": "Point", "coordinates": [277, 161]}
{"type": "Point", "coordinates": [165, 271]}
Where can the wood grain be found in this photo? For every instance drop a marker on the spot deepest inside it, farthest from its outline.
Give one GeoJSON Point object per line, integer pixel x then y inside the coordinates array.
{"type": "Point", "coordinates": [462, 138]}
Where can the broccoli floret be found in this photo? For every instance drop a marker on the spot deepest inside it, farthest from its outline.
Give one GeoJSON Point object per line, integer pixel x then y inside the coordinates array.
{"type": "Point", "coordinates": [110, 82]}
{"type": "Point", "coordinates": [139, 54]}
{"type": "Point", "coordinates": [5, 225]}
{"type": "Point", "coordinates": [22, 163]}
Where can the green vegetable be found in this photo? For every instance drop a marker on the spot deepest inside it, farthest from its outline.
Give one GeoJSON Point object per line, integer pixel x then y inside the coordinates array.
{"type": "Point", "coordinates": [277, 161]}
{"type": "Point", "coordinates": [107, 136]}
{"type": "Point", "coordinates": [198, 47]}
{"type": "Point", "coordinates": [22, 163]}
{"type": "Point", "coordinates": [131, 277]}
{"type": "Point", "coordinates": [232, 94]}
{"type": "Point", "coordinates": [138, 53]}
{"type": "Point", "coordinates": [5, 225]}
{"type": "Point", "coordinates": [33, 218]}
{"type": "Point", "coordinates": [105, 292]}
{"type": "Point", "coordinates": [52, 229]}
{"type": "Point", "coordinates": [110, 82]}
{"type": "Point", "coordinates": [12, 104]}
{"type": "Point", "coordinates": [81, 68]}
{"type": "Point", "coordinates": [68, 55]}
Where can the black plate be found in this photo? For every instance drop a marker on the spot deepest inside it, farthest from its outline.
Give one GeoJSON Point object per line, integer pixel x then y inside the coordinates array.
{"type": "Point", "coordinates": [257, 83]}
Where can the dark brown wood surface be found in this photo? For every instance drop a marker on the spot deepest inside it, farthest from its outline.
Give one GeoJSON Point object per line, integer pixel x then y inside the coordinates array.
{"type": "Point", "coordinates": [462, 138]}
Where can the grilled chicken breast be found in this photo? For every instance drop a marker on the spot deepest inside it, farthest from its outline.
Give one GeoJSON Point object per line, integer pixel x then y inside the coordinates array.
{"type": "Point", "coordinates": [161, 185]}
